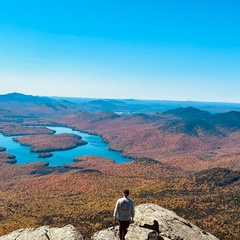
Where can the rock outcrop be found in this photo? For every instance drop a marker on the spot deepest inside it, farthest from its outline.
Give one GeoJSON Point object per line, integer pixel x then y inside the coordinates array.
{"type": "Point", "coordinates": [44, 233]}
{"type": "Point", "coordinates": [151, 218]}
{"type": "Point", "coordinates": [152, 222]}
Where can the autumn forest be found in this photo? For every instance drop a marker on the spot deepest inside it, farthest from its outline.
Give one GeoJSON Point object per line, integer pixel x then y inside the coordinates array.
{"type": "Point", "coordinates": [184, 159]}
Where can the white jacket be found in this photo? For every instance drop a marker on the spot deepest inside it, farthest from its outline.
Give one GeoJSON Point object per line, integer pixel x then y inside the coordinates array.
{"type": "Point", "coordinates": [124, 209]}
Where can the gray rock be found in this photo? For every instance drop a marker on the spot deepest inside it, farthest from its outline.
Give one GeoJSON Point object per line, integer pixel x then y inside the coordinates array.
{"type": "Point", "coordinates": [44, 233]}
{"type": "Point", "coordinates": [107, 234]}
{"type": "Point", "coordinates": [152, 222]}
{"type": "Point", "coordinates": [169, 224]}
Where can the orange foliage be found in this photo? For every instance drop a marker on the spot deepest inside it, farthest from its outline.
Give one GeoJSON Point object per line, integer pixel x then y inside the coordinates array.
{"type": "Point", "coordinates": [86, 199]}
{"type": "Point", "coordinates": [45, 143]}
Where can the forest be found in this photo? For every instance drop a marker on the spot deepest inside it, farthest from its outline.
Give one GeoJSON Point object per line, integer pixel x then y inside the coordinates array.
{"type": "Point", "coordinates": [186, 160]}
{"type": "Point", "coordinates": [85, 194]}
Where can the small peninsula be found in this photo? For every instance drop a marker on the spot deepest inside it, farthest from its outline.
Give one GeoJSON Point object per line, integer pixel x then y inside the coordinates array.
{"type": "Point", "coordinates": [7, 158]}
{"type": "Point", "coordinates": [7, 155]}
{"type": "Point", "coordinates": [14, 129]}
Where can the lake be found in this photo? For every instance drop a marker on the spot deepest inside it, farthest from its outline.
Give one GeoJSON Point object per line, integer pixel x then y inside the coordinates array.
{"type": "Point", "coordinates": [94, 147]}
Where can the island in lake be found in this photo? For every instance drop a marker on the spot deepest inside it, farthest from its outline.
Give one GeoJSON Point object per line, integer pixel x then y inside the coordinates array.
{"type": "Point", "coordinates": [48, 143]}
{"type": "Point", "coordinates": [45, 155]}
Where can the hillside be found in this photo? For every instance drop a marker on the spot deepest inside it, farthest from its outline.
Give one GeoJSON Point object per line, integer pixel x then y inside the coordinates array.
{"type": "Point", "coordinates": [185, 159]}
{"type": "Point", "coordinates": [34, 194]}
{"type": "Point", "coordinates": [175, 138]}
{"type": "Point", "coordinates": [218, 176]}
{"type": "Point", "coordinates": [193, 144]}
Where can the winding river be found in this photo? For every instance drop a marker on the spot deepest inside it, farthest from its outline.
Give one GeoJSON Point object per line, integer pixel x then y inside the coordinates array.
{"type": "Point", "coordinates": [94, 147]}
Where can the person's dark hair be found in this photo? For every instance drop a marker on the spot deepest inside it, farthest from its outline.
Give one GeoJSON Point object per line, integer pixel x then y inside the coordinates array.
{"type": "Point", "coordinates": [126, 192]}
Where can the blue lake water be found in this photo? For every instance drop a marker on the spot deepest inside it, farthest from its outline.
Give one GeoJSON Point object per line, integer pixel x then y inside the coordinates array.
{"type": "Point", "coordinates": [94, 147]}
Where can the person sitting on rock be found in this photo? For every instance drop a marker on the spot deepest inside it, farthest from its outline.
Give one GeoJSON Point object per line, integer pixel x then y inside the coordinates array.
{"type": "Point", "coordinates": [154, 236]}
{"type": "Point", "coordinates": [154, 226]}
{"type": "Point", "coordinates": [124, 212]}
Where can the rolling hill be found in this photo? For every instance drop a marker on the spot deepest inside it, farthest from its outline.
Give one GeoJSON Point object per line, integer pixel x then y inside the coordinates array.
{"type": "Point", "coordinates": [185, 159]}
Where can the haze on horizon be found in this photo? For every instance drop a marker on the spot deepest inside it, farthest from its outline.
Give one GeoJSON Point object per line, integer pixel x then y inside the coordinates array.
{"type": "Point", "coordinates": [163, 50]}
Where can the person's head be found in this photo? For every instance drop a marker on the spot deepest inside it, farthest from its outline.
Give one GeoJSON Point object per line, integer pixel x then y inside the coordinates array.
{"type": "Point", "coordinates": [126, 192]}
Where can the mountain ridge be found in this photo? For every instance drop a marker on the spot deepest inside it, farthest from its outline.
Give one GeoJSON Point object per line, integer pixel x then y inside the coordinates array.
{"type": "Point", "coordinates": [124, 106]}
{"type": "Point", "coordinates": [171, 153]}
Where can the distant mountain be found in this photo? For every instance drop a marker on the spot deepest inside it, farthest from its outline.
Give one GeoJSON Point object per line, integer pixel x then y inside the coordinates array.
{"type": "Point", "coordinates": [195, 122]}
{"type": "Point", "coordinates": [18, 97]}
{"type": "Point", "coordinates": [191, 127]}
{"type": "Point", "coordinates": [148, 106]}
{"type": "Point", "coordinates": [105, 105]}
{"type": "Point", "coordinates": [92, 118]}
{"type": "Point", "coordinates": [188, 113]}
{"type": "Point", "coordinates": [229, 119]}
{"type": "Point", "coordinates": [128, 106]}
{"type": "Point", "coordinates": [10, 103]}
{"type": "Point", "coordinates": [17, 104]}
{"type": "Point", "coordinates": [190, 121]}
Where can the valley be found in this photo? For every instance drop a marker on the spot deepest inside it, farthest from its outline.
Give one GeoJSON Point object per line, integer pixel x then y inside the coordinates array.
{"type": "Point", "coordinates": [184, 159]}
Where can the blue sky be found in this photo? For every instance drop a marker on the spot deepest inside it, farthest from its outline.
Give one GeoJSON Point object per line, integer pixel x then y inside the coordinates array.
{"type": "Point", "coordinates": [168, 50]}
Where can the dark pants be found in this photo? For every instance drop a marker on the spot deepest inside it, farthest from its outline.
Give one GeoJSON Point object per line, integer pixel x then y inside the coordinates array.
{"type": "Point", "coordinates": [123, 229]}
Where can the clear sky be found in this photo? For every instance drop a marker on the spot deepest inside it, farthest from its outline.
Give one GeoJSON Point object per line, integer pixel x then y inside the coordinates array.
{"type": "Point", "coordinates": [155, 49]}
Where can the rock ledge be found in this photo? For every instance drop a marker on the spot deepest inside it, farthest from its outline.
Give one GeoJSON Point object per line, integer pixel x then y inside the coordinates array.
{"type": "Point", "coordinates": [44, 233]}
{"type": "Point", "coordinates": [150, 217]}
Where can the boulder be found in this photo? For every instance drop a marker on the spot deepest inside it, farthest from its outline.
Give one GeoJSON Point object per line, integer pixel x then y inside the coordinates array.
{"type": "Point", "coordinates": [152, 222]}
{"type": "Point", "coordinates": [155, 222]}
{"type": "Point", "coordinates": [44, 233]}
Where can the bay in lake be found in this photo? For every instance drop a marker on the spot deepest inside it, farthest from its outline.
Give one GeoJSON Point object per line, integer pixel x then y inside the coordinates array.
{"type": "Point", "coordinates": [94, 147]}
